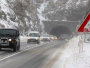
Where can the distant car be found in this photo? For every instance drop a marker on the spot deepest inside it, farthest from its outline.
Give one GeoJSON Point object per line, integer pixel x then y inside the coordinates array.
{"type": "Point", "coordinates": [55, 38]}
{"type": "Point", "coordinates": [45, 37]}
{"type": "Point", "coordinates": [51, 37]}
{"type": "Point", "coordinates": [33, 36]}
{"type": "Point", "coordinates": [62, 38]}
{"type": "Point", "coordinates": [9, 38]}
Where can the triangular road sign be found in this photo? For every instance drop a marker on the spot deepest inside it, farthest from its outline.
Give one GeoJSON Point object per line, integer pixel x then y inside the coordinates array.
{"type": "Point", "coordinates": [85, 27]}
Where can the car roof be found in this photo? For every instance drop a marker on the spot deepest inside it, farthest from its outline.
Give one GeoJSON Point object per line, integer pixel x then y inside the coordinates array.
{"type": "Point", "coordinates": [8, 29]}
{"type": "Point", "coordinates": [33, 32]}
{"type": "Point", "coordinates": [45, 34]}
{"type": "Point", "coordinates": [51, 35]}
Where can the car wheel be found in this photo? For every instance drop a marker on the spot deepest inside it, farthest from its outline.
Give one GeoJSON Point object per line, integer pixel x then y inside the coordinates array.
{"type": "Point", "coordinates": [18, 48]}
{"type": "Point", "coordinates": [38, 42]}
{"type": "Point", "coordinates": [28, 41]}
{"type": "Point", "coordinates": [0, 48]}
{"type": "Point", "coordinates": [15, 48]}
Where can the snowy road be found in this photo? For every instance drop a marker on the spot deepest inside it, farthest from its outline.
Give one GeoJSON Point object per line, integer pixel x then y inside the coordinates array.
{"type": "Point", "coordinates": [30, 55]}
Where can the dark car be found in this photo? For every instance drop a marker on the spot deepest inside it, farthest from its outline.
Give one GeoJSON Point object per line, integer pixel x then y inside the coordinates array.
{"type": "Point", "coordinates": [62, 38]}
{"type": "Point", "coordinates": [9, 38]}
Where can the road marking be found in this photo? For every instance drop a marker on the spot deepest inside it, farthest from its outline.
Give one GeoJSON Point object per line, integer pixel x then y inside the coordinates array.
{"type": "Point", "coordinates": [20, 52]}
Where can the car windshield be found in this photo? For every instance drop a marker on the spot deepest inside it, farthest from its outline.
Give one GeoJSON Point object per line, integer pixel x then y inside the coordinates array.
{"type": "Point", "coordinates": [46, 36]}
{"type": "Point", "coordinates": [51, 35]}
{"type": "Point", "coordinates": [7, 32]}
{"type": "Point", "coordinates": [34, 35]}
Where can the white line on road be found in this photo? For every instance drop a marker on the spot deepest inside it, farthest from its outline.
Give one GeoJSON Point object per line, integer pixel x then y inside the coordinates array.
{"type": "Point", "coordinates": [20, 52]}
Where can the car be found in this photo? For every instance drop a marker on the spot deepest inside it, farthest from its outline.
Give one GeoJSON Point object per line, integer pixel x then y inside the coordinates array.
{"type": "Point", "coordinates": [51, 37]}
{"type": "Point", "coordinates": [9, 38]}
{"type": "Point", "coordinates": [33, 36]}
{"type": "Point", "coordinates": [55, 38]}
{"type": "Point", "coordinates": [62, 38]}
{"type": "Point", "coordinates": [45, 37]}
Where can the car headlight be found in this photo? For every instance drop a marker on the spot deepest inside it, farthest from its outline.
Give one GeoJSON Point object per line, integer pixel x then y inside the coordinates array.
{"type": "Point", "coordinates": [28, 38]}
{"type": "Point", "coordinates": [48, 38]}
{"type": "Point", "coordinates": [41, 37]}
{"type": "Point", "coordinates": [52, 37]}
{"type": "Point", "coordinates": [36, 38]}
{"type": "Point", "coordinates": [9, 39]}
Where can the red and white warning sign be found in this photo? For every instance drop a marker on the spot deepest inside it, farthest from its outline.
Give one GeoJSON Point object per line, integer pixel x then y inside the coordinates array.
{"type": "Point", "coordinates": [87, 38]}
{"type": "Point", "coordinates": [85, 27]}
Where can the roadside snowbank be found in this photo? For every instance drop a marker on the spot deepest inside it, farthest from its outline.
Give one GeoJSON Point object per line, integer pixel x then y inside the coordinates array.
{"type": "Point", "coordinates": [71, 58]}
{"type": "Point", "coordinates": [23, 39]}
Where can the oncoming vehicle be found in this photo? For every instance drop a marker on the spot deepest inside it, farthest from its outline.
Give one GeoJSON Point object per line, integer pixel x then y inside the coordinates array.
{"type": "Point", "coordinates": [9, 38]}
{"type": "Point", "coordinates": [51, 37]}
{"type": "Point", "coordinates": [45, 37]}
{"type": "Point", "coordinates": [33, 36]}
{"type": "Point", "coordinates": [55, 38]}
{"type": "Point", "coordinates": [62, 38]}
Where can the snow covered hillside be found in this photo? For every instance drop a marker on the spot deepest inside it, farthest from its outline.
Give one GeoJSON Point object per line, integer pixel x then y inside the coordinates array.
{"type": "Point", "coordinates": [27, 15]}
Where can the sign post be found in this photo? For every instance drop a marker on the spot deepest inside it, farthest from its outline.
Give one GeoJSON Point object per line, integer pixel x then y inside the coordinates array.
{"type": "Point", "coordinates": [84, 30]}
{"type": "Point", "coordinates": [80, 43]}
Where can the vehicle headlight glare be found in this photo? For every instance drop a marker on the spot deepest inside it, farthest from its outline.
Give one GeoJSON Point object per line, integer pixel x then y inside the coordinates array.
{"type": "Point", "coordinates": [36, 38]}
{"type": "Point", "coordinates": [28, 38]}
{"type": "Point", "coordinates": [9, 39]}
{"type": "Point", "coordinates": [52, 37]}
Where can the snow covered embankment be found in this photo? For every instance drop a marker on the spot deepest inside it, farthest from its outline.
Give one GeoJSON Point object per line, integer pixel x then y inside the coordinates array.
{"type": "Point", "coordinates": [71, 58]}
{"type": "Point", "coordinates": [23, 39]}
